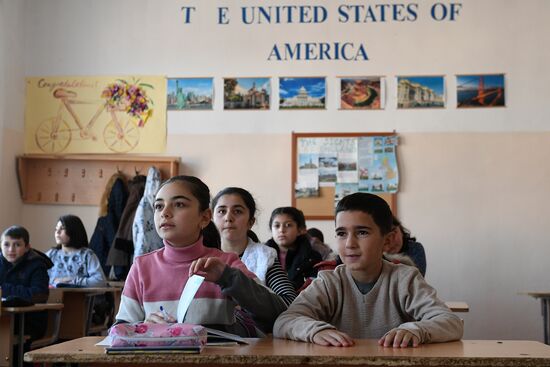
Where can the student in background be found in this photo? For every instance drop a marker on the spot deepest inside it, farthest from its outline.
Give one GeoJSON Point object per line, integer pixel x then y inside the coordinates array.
{"type": "Point", "coordinates": [317, 241]}
{"type": "Point", "coordinates": [234, 211]}
{"type": "Point", "coordinates": [24, 274]}
{"type": "Point", "coordinates": [402, 243]}
{"type": "Point", "coordinates": [367, 297]}
{"type": "Point", "coordinates": [288, 228]}
{"type": "Point", "coordinates": [158, 278]}
{"type": "Point", "coordinates": [74, 263]}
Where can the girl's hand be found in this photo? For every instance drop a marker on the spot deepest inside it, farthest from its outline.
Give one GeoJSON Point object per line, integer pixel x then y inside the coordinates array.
{"type": "Point", "coordinates": [158, 318]}
{"type": "Point", "coordinates": [333, 337]}
{"type": "Point", "coordinates": [62, 280]}
{"type": "Point", "coordinates": [211, 268]}
{"type": "Point", "coordinates": [399, 338]}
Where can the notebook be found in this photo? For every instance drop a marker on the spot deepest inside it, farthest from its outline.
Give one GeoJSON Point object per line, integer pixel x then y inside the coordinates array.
{"type": "Point", "coordinates": [217, 337]}
{"type": "Point", "coordinates": [155, 350]}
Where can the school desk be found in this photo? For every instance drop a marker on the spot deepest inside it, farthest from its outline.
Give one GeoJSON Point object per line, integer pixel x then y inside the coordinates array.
{"type": "Point", "coordinates": [80, 302]}
{"type": "Point", "coordinates": [8, 329]}
{"type": "Point", "coordinates": [545, 308]}
{"type": "Point", "coordinates": [270, 352]}
{"type": "Point", "coordinates": [457, 306]}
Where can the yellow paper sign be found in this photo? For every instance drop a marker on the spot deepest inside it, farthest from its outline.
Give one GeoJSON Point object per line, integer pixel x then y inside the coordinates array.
{"type": "Point", "coordinates": [95, 115]}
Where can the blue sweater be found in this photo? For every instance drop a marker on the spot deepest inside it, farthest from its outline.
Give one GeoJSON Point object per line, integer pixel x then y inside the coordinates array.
{"type": "Point", "coordinates": [415, 251]}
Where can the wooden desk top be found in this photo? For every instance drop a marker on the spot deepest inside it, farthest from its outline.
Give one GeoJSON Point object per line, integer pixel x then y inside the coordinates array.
{"type": "Point", "coordinates": [274, 352]}
{"type": "Point", "coordinates": [537, 294]}
{"type": "Point", "coordinates": [458, 306]}
{"type": "Point", "coordinates": [88, 289]}
{"type": "Point", "coordinates": [116, 283]}
{"type": "Point", "coordinates": [34, 308]}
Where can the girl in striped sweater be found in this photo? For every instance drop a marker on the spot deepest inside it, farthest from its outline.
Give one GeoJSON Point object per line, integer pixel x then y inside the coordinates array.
{"type": "Point", "coordinates": [234, 210]}
{"type": "Point", "coordinates": [157, 279]}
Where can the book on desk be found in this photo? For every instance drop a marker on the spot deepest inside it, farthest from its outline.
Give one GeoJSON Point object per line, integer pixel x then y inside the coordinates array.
{"type": "Point", "coordinates": [155, 350]}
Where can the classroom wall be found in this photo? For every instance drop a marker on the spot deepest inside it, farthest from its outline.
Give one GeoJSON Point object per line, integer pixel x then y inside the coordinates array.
{"type": "Point", "coordinates": [472, 181]}
{"type": "Point", "coordinates": [11, 106]}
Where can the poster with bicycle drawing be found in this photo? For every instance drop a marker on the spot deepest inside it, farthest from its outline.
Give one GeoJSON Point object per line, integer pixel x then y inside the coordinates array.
{"type": "Point", "coordinates": [124, 114]}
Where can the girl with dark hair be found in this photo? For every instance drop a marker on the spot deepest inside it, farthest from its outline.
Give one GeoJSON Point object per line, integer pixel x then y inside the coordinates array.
{"type": "Point", "coordinates": [157, 279]}
{"type": "Point", "coordinates": [403, 243]}
{"type": "Point", "coordinates": [288, 228]}
{"type": "Point", "coordinates": [234, 215]}
{"type": "Point", "coordinates": [74, 263]}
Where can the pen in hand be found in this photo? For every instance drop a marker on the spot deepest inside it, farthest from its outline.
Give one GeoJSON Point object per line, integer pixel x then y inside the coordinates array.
{"type": "Point", "coordinates": [164, 314]}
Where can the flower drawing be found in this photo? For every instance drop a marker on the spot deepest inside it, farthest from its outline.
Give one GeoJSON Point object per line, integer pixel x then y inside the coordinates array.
{"type": "Point", "coordinates": [141, 328]}
{"type": "Point", "coordinates": [175, 331]}
{"type": "Point", "coordinates": [130, 98]}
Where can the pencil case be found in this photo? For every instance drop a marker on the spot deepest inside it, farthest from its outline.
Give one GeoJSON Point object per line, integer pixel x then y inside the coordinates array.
{"type": "Point", "coordinates": [157, 335]}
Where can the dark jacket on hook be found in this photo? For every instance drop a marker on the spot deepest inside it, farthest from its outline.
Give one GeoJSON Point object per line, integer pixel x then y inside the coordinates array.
{"type": "Point", "coordinates": [121, 252]}
{"type": "Point", "coordinates": [113, 203]}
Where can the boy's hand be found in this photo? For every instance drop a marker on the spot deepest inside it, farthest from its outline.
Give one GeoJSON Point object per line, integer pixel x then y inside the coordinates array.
{"type": "Point", "coordinates": [399, 338]}
{"type": "Point", "coordinates": [211, 268]}
{"type": "Point", "coordinates": [333, 337]}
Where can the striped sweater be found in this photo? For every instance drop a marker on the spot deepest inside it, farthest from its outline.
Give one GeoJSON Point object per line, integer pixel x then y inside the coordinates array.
{"type": "Point", "coordinates": [158, 278]}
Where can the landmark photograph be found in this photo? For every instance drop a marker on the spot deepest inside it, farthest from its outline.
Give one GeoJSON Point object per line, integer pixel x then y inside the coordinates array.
{"type": "Point", "coordinates": [420, 92]}
{"type": "Point", "coordinates": [302, 93]}
{"type": "Point", "coordinates": [190, 93]}
{"type": "Point", "coordinates": [360, 93]}
{"type": "Point", "coordinates": [480, 91]}
{"type": "Point", "coordinates": [246, 93]}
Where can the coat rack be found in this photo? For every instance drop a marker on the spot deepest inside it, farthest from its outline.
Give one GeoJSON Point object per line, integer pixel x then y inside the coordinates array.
{"type": "Point", "coordinates": [81, 179]}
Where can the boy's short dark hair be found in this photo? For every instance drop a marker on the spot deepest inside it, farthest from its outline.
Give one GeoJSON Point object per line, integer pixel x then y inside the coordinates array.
{"type": "Point", "coordinates": [17, 232]}
{"type": "Point", "coordinates": [371, 204]}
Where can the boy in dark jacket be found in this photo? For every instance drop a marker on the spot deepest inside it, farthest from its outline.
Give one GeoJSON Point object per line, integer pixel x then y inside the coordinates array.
{"type": "Point", "coordinates": [24, 274]}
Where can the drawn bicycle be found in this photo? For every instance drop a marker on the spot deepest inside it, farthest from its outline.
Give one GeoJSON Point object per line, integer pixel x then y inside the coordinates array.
{"type": "Point", "coordinates": [54, 134]}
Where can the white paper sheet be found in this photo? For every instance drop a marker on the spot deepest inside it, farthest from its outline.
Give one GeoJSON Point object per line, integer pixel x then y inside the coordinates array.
{"type": "Point", "coordinates": [106, 342]}
{"type": "Point", "coordinates": [191, 288]}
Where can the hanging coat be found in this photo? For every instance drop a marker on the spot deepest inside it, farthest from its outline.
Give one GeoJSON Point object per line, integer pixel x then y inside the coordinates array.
{"type": "Point", "coordinates": [112, 204]}
{"type": "Point", "coordinates": [121, 252]}
{"type": "Point", "coordinates": [146, 238]}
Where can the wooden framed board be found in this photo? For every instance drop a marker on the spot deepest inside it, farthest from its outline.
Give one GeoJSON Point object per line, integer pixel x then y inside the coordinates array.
{"type": "Point", "coordinates": [321, 207]}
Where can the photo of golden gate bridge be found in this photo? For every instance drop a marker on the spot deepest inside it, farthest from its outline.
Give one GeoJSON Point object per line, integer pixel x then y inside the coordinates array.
{"type": "Point", "coordinates": [480, 91]}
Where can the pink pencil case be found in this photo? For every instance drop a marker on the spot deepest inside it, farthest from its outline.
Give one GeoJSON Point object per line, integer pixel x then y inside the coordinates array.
{"type": "Point", "coordinates": [157, 335]}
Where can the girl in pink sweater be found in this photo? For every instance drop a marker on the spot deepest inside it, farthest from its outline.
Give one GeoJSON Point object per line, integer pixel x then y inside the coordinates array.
{"type": "Point", "coordinates": [157, 279]}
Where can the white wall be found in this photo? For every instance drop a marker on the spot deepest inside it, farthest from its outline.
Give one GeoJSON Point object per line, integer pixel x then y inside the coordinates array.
{"type": "Point", "coordinates": [473, 181]}
{"type": "Point", "coordinates": [12, 32]}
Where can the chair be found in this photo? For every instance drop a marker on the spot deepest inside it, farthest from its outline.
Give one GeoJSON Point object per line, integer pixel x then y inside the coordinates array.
{"type": "Point", "coordinates": [54, 322]}
{"type": "Point", "coordinates": [107, 314]}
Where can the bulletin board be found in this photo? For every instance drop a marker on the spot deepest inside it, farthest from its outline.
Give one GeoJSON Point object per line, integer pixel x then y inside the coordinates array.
{"type": "Point", "coordinates": [321, 207]}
